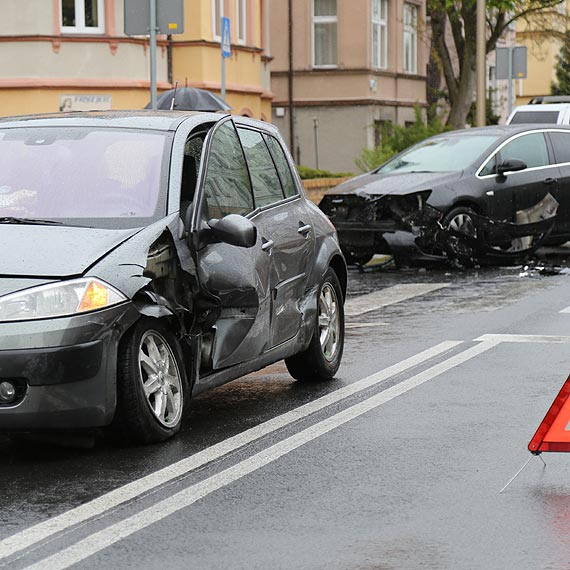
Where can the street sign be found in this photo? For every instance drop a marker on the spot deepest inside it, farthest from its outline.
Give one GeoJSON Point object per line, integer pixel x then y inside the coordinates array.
{"type": "Point", "coordinates": [226, 38]}
{"type": "Point", "coordinates": [169, 17]}
{"type": "Point", "coordinates": [518, 61]}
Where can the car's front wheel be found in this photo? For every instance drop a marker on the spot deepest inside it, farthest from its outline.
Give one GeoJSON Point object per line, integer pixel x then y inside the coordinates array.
{"type": "Point", "coordinates": [321, 360]}
{"type": "Point", "coordinates": [462, 220]}
{"type": "Point", "coordinates": [151, 384]}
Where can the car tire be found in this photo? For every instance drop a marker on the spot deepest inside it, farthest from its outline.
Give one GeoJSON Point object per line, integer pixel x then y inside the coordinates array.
{"type": "Point", "coordinates": [321, 360]}
{"type": "Point", "coordinates": [151, 384]}
{"type": "Point", "coordinates": [461, 219]}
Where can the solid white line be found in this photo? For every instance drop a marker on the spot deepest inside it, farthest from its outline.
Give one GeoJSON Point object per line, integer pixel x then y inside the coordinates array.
{"type": "Point", "coordinates": [524, 338]}
{"type": "Point", "coordinates": [183, 499]}
{"type": "Point", "coordinates": [389, 296]}
{"type": "Point", "coordinates": [32, 535]}
{"type": "Point", "coordinates": [566, 310]}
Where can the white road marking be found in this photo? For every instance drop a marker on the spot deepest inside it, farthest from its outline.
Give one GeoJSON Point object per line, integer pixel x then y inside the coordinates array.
{"type": "Point", "coordinates": [183, 499]}
{"type": "Point", "coordinates": [389, 296]}
{"type": "Point", "coordinates": [35, 534]}
{"type": "Point", "coordinates": [524, 338]}
{"type": "Point", "coordinates": [566, 310]}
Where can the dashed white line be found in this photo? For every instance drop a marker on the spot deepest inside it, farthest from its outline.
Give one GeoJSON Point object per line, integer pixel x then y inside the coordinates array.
{"type": "Point", "coordinates": [388, 296]}
{"type": "Point", "coordinates": [566, 310]}
{"type": "Point", "coordinates": [535, 338]}
{"type": "Point", "coordinates": [44, 530]}
{"type": "Point", "coordinates": [183, 499]}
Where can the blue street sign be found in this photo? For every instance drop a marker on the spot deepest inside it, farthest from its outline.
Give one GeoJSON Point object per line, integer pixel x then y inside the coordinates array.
{"type": "Point", "coordinates": [226, 38]}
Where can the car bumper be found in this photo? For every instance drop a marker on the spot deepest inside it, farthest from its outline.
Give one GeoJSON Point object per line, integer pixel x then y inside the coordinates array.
{"type": "Point", "coordinates": [64, 370]}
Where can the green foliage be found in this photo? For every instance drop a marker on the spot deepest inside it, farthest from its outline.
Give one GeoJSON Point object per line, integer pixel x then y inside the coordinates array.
{"type": "Point", "coordinates": [562, 84]}
{"type": "Point", "coordinates": [307, 173]}
{"type": "Point", "coordinates": [490, 117]}
{"type": "Point", "coordinates": [396, 138]}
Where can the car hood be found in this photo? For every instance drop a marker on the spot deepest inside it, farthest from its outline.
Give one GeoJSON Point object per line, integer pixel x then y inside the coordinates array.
{"type": "Point", "coordinates": [54, 251]}
{"type": "Point", "coordinates": [395, 184]}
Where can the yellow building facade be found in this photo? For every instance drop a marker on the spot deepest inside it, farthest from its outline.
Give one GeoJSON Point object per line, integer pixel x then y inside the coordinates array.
{"type": "Point", "coordinates": [543, 37]}
{"type": "Point", "coordinates": [73, 54]}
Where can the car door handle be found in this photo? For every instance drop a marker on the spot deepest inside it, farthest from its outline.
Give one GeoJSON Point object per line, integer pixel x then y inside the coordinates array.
{"type": "Point", "coordinates": [304, 230]}
{"type": "Point", "coordinates": [267, 244]}
{"type": "Point", "coordinates": [550, 181]}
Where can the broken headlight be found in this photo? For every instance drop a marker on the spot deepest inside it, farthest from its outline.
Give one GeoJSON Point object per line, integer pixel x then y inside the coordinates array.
{"type": "Point", "coordinates": [61, 299]}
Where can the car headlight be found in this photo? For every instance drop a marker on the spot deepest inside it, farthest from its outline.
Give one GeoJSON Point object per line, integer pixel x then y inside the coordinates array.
{"type": "Point", "coordinates": [61, 299]}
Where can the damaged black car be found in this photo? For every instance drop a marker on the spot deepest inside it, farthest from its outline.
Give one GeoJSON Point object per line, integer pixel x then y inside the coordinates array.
{"type": "Point", "coordinates": [149, 256]}
{"type": "Point", "coordinates": [492, 194]}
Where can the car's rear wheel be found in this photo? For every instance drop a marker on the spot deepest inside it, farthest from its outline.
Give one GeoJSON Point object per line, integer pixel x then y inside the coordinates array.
{"type": "Point", "coordinates": [462, 220]}
{"type": "Point", "coordinates": [321, 360]}
{"type": "Point", "coordinates": [151, 384]}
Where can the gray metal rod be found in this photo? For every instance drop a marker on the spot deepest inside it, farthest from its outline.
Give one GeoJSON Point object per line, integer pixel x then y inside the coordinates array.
{"type": "Point", "coordinates": [481, 63]}
{"type": "Point", "coordinates": [152, 53]}
{"type": "Point", "coordinates": [510, 94]}
{"type": "Point", "coordinates": [223, 78]}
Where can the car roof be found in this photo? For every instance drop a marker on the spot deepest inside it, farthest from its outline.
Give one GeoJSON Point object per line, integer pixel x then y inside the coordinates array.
{"type": "Point", "coordinates": [137, 119]}
{"type": "Point", "coordinates": [505, 130]}
{"type": "Point", "coordinates": [537, 108]}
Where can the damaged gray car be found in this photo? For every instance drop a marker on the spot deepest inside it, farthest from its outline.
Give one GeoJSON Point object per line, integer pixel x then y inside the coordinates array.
{"type": "Point", "coordinates": [149, 256]}
{"type": "Point", "coordinates": [492, 195]}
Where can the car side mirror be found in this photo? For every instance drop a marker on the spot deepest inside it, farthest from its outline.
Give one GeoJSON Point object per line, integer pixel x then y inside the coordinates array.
{"type": "Point", "coordinates": [234, 230]}
{"type": "Point", "coordinates": [511, 165]}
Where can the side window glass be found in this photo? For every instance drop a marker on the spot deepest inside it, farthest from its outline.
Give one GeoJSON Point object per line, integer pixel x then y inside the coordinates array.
{"type": "Point", "coordinates": [264, 178]}
{"type": "Point", "coordinates": [561, 143]}
{"type": "Point", "coordinates": [227, 187]}
{"type": "Point", "coordinates": [282, 165]}
{"type": "Point", "coordinates": [490, 167]}
{"type": "Point", "coordinates": [531, 149]}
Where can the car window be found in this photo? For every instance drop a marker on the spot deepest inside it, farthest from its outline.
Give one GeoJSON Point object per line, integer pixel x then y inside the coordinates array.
{"type": "Point", "coordinates": [190, 169]}
{"type": "Point", "coordinates": [444, 153]}
{"type": "Point", "coordinates": [227, 187]}
{"type": "Point", "coordinates": [534, 117]}
{"type": "Point", "coordinates": [531, 149]}
{"type": "Point", "coordinates": [561, 144]}
{"type": "Point", "coordinates": [282, 165]}
{"type": "Point", "coordinates": [490, 167]}
{"type": "Point", "coordinates": [266, 185]}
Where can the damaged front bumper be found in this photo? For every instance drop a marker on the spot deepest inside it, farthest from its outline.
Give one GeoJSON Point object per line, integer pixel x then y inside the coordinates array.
{"type": "Point", "coordinates": [409, 228]}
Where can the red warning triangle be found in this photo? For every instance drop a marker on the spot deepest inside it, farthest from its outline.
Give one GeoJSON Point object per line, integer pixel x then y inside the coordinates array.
{"type": "Point", "coordinates": [553, 434]}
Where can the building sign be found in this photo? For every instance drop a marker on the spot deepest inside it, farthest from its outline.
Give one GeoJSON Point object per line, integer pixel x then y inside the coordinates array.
{"type": "Point", "coordinates": [85, 102]}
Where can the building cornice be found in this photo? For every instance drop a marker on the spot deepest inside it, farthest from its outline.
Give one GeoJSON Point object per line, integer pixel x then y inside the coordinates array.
{"type": "Point", "coordinates": [350, 71]}
{"type": "Point", "coordinates": [350, 101]}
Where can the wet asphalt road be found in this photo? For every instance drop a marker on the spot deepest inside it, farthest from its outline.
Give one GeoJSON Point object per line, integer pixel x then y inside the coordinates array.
{"type": "Point", "coordinates": [403, 473]}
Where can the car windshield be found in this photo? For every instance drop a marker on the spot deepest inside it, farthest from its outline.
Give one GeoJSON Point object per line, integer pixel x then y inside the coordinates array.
{"type": "Point", "coordinates": [92, 177]}
{"type": "Point", "coordinates": [442, 154]}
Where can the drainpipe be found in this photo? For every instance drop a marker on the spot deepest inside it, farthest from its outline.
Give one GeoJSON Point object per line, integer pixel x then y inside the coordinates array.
{"type": "Point", "coordinates": [291, 83]}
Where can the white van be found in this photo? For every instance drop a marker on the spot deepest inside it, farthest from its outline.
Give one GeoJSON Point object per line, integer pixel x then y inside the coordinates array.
{"type": "Point", "coordinates": [552, 110]}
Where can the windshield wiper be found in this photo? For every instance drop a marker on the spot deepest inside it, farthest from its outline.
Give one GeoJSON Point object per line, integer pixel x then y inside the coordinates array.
{"type": "Point", "coordinates": [28, 221]}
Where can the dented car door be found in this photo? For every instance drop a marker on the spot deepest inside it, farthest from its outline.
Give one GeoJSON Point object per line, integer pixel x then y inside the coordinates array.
{"type": "Point", "coordinates": [236, 277]}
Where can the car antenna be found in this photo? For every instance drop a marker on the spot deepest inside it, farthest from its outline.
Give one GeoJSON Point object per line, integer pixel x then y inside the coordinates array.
{"type": "Point", "coordinates": [173, 97]}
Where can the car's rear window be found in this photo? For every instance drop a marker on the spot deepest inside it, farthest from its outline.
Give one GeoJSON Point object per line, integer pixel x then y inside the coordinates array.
{"type": "Point", "coordinates": [81, 174]}
{"type": "Point", "coordinates": [535, 117]}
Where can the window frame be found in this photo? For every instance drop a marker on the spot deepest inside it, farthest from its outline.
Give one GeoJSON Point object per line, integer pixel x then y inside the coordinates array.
{"type": "Point", "coordinates": [410, 33]}
{"type": "Point", "coordinates": [267, 136]}
{"type": "Point", "coordinates": [80, 27]}
{"type": "Point", "coordinates": [217, 6]}
{"type": "Point", "coordinates": [323, 20]}
{"type": "Point", "coordinates": [497, 150]}
{"type": "Point", "coordinates": [382, 24]}
{"type": "Point", "coordinates": [241, 21]}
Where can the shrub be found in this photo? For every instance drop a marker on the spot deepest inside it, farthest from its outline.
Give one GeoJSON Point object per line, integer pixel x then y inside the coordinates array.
{"type": "Point", "coordinates": [307, 173]}
{"type": "Point", "coordinates": [396, 138]}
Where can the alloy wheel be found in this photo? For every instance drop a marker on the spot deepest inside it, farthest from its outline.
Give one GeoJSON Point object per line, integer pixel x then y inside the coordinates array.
{"type": "Point", "coordinates": [329, 322]}
{"type": "Point", "coordinates": [463, 223]}
{"type": "Point", "coordinates": [160, 378]}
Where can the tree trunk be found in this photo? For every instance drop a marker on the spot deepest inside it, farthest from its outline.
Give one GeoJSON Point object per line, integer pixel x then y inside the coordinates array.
{"type": "Point", "coordinates": [461, 105]}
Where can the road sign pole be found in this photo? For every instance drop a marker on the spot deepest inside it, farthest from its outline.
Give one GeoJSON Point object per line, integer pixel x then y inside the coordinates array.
{"type": "Point", "coordinates": [225, 50]}
{"type": "Point", "coordinates": [510, 92]}
{"type": "Point", "coordinates": [223, 77]}
{"type": "Point", "coordinates": [481, 98]}
{"type": "Point", "coordinates": [152, 53]}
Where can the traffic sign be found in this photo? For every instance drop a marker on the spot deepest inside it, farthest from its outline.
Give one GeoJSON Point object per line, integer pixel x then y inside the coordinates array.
{"type": "Point", "coordinates": [226, 38]}
{"type": "Point", "coordinates": [169, 17]}
{"type": "Point", "coordinates": [553, 434]}
{"type": "Point", "coordinates": [516, 68]}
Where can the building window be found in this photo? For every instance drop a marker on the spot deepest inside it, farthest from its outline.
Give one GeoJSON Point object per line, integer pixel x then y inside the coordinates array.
{"type": "Point", "coordinates": [217, 15]}
{"type": "Point", "coordinates": [82, 16]}
{"type": "Point", "coordinates": [380, 33]}
{"type": "Point", "coordinates": [410, 38]}
{"type": "Point", "coordinates": [241, 20]}
{"type": "Point", "coordinates": [324, 33]}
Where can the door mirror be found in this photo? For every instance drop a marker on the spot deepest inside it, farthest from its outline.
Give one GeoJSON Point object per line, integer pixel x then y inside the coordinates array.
{"type": "Point", "coordinates": [511, 165]}
{"type": "Point", "coordinates": [235, 230]}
